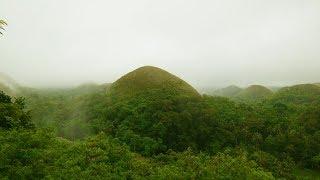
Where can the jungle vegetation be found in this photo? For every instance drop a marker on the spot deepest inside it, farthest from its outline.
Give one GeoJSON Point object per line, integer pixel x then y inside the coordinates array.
{"type": "Point", "coordinates": [150, 124]}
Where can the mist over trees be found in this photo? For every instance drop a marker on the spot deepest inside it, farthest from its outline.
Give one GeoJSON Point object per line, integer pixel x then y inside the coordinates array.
{"type": "Point", "coordinates": [162, 129]}
{"type": "Point", "coordinates": [132, 122]}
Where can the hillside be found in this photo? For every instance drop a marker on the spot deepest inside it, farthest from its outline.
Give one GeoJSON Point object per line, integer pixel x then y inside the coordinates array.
{"type": "Point", "coordinates": [274, 88]}
{"type": "Point", "coordinates": [159, 137]}
{"type": "Point", "coordinates": [229, 91]}
{"type": "Point", "coordinates": [298, 94]}
{"type": "Point", "coordinates": [89, 88]}
{"type": "Point", "coordinates": [253, 93]}
{"type": "Point", "coordinates": [149, 79]}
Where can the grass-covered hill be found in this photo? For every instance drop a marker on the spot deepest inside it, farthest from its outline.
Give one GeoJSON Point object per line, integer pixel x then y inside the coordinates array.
{"type": "Point", "coordinates": [229, 91]}
{"type": "Point", "coordinates": [318, 84]}
{"type": "Point", "coordinates": [254, 93]}
{"type": "Point", "coordinates": [148, 79]}
{"type": "Point", "coordinates": [298, 94]}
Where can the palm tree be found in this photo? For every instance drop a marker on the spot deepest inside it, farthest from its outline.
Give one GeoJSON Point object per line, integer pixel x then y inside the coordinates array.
{"type": "Point", "coordinates": [2, 24]}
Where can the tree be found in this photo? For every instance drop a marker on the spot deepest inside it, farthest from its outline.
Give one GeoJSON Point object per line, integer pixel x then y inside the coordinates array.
{"type": "Point", "coordinates": [4, 98]}
{"type": "Point", "coordinates": [13, 114]}
{"type": "Point", "coordinates": [2, 24]}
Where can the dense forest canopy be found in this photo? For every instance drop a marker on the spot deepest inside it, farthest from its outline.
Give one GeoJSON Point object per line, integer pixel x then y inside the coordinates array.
{"type": "Point", "coordinates": [151, 124]}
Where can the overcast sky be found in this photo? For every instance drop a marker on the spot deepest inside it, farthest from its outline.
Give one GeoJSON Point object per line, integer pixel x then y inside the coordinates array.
{"type": "Point", "coordinates": [205, 42]}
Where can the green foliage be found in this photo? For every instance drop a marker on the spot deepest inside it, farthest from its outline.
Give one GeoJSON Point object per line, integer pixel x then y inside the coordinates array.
{"type": "Point", "coordinates": [4, 98]}
{"type": "Point", "coordinates": [279, 167]}
{"type": "Point", "coordinates": [188, 165]}
{"type": "Point", "coordinates": [149, 118]}
{"type": "Point", "coordinates": [38, 154]}
{"type": "Point", "coordinates": [306, 174]}
{"type": "Point", "coordinates": [152, 125]}
{"type": "Point", "coordinates": [62, 109]}
{"type": "Point", "coordinates": [12, 114]}
{"type": "Point", "coordinates": [254, 93]}
{"type": "Point", "coordinates": [25, 154]}
{"type": "Point", "coordinates": [303, 94]}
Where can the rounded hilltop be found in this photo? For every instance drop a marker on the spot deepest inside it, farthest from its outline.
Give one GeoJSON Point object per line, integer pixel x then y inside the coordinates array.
{"type": "Point", "coordinates": [149, 79]}
{"type": "Point", "coordinates": [298, 94]}
{"type": "Point", "coordinates": [229, 91]}
{"type": "Point", "coordinates": [254, 92]}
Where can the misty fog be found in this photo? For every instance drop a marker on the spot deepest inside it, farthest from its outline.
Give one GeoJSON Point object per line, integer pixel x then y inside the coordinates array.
{"type": "Point", "coordinates": [207, 43]}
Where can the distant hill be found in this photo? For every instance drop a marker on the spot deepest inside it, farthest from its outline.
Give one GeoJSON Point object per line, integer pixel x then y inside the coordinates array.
{"type": "Point", "coordinates": [318, 84]}
{"type": "Point", "coordinates": [253, 93]}
{"type": "Point", "coordinates": [147, 79]}
{"type": "Point", "coordinates": [229, 91]}
{"type": "Point", "coordinates": [87, 88]}
{"type": "Point", "coordinates": [274, 88]}
{"type": "Point", "coordinates": [298, 94]}
{"type": "Point", "coordinates": [106, 85]}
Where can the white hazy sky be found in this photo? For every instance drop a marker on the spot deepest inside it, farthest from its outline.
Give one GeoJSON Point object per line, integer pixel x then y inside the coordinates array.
{"type": "Point", "coordinates": [205, 42]}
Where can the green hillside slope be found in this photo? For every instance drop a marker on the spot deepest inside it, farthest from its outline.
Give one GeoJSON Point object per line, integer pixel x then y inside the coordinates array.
{"type": "Point", "coordinates": [148, 79]}
{"type": "Point", "coordinates": [298, 94]}
{"type": "Point", "coordinates": [229, 91]}
{"type": "Point", "coordinates": [254, 92]}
